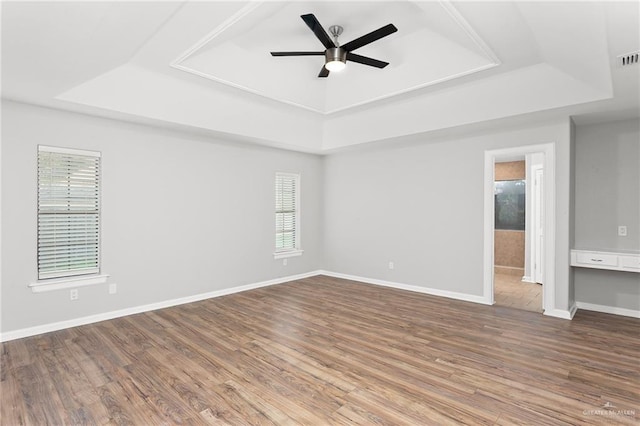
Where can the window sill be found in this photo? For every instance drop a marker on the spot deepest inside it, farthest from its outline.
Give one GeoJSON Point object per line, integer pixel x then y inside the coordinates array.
{"type": "Point", "coordinates": [71, 282]}
{"type": "Point", "coordinates": [288, 253]}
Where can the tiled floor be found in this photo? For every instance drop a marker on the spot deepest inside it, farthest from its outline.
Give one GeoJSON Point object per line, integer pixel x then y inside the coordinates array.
{"type": "Point", "coordinates": [510, 291]}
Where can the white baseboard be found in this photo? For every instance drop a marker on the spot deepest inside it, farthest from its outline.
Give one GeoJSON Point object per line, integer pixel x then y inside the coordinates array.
{"type": "Point", "coordinates": [527, 279]}
{"type": "Point", "coordinates": [608, 309]}
{"type": "Point", "coordinates": [45, 328]}
{"type": "Point", "coordinates": [561, 313]}
{"type": "Point", "coordinates": [415, 288]}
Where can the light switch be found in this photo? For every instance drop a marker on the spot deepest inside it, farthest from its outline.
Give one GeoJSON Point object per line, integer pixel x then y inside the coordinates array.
{"type": "Point", "coordinates": [622, 231]}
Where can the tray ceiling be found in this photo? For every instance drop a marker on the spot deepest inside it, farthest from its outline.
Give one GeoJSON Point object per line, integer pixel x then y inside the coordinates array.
{"type": "Point", "coordinates": [204, 66]}
{"type": "Point", "coordinates": [434, 44]}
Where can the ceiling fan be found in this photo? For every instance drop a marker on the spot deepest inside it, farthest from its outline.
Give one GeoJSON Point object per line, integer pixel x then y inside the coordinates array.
{"type": "Point", "coordinates": [335, 55]}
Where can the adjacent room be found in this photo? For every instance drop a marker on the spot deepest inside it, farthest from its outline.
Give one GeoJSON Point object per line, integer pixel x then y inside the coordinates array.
{"type": "Point", "coordinates": [320, 213]}
{"type": "Point", "coordinates": [518, 212]}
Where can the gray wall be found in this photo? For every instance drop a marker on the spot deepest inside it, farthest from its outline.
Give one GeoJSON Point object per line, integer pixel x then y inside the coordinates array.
{"type": "Point", "coordinates": [608, 185]}
{"type": "Point", "coordinates": [420, 205]}
{"type": "Point", "coordinates": [182, 215]}
{"type": "Point", "coordinates": [607, 195]}
{"type": "Point", "coordinates": [614, 289]}
{"type": "Point", "coordinates": [572, 205]}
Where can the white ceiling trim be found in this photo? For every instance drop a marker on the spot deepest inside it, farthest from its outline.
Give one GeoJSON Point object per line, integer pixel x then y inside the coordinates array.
{"type": "Point", "coordinates": [453, 12]}
{"type": "Point", "coordinates": [247, 9]}
{"type": "Point", "coordinates": [494, 61]}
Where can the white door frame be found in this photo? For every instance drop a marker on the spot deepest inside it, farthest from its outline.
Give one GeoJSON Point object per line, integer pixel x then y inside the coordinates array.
{"type": "Point", "coordinates": [538, 217]}
{"type": "Point", "coordinates": [549, 165]}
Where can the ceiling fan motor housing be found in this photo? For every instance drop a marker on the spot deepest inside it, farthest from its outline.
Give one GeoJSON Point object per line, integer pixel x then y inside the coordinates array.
{"type": "Point", "coordinates": [335, 54]}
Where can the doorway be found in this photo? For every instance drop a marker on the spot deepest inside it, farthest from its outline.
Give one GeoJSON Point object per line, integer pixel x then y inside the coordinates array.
{"type": "Point", "coordinates": [539, 261]}
{"type": "Point", "coordinates": [514, 223]}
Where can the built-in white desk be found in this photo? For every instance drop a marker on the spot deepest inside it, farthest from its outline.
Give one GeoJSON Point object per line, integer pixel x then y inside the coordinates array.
{"type": "Point", "coordinates": [614, 261]}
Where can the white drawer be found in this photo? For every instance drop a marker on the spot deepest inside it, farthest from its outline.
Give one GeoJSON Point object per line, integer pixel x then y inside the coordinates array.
{"type": "Point", "coordinates": [601, 259]}
{"type": "Point", "coordinates": [630, 262]}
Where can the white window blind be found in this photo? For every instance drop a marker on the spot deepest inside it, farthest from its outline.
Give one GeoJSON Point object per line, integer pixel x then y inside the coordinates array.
{"type": "Point", "coordinates": [68, 212]}
{"type": "Point", "coordinates": [287, 217]}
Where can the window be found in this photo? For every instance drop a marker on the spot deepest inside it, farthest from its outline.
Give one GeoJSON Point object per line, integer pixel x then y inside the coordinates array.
{"type": "Point", "coordinates": [509, 204]}
{"type": "Point", "coordinates": [68, 212]}
{"type": "Point", "coordinates": [287, 215]}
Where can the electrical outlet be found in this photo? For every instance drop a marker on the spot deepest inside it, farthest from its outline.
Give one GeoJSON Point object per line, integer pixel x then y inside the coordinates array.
{"type": "Point", "coordinates": [73, 294]}
{"type": "Point", "coordinates": [284, 262]}
{"type": "Point", "coordinates": [391, 265]}
{"type": "Point", "coordinates": [113, 288]}
{"type": "Point", "coordinates": [622, 231]}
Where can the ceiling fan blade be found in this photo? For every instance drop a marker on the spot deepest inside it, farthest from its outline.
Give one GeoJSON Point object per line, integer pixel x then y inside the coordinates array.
{"type": "Point", "coordinates": [324, 72]}
{"type": "Point", "coordinates": [366, 60]}
{"type": "Point", "coordinates": [317, 29]}
{"type": "Point", "coordinates": [370, 38]}
{"type": "Point", "coordinates": [297, 53]}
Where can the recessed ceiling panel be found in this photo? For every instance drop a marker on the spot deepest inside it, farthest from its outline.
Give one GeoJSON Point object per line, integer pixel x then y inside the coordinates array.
{"type": "Point", "coordinates": [433, 44]}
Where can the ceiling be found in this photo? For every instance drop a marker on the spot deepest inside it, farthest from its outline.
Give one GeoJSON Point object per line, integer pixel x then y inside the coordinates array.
{"type": "Point", "coordinates": [429, 30]}
{"type": "Point", "coordinates": [205, 66]}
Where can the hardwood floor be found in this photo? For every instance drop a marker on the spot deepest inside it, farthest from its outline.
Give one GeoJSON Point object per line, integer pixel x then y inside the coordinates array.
{"type": "Point", "coordinates": [323, 351]}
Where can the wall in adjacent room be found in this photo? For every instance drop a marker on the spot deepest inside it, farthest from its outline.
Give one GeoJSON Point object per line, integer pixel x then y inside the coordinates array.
{"type": "Point", "coordinates": [510, 170]}
{"type": "Point", "coordinates": [509, 244]}
{"type": "Point", "coordinates": [607, 186]}
{"type": "Point", "coordinates": [182, 214]}
{"type": "Point", "coordinates": [420, 205]}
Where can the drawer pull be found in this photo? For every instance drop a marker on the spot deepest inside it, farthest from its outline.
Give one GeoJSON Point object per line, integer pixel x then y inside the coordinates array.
{"type": "Point", "coordinates": [596, 260]}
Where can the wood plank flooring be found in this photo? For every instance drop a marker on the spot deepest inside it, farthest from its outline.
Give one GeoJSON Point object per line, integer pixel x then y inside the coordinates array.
{"type": "Point", "coordinates": [325, 351]}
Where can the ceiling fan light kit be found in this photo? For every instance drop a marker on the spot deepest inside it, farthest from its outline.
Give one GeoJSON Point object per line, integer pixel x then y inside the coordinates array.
{"type": "Point", "coordinates": [335, 59]}
{"type": "Point", "coordinates": [336, 56]}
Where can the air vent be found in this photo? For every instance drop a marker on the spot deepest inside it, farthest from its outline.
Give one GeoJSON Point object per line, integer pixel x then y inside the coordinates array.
{"type": "Point", "coordinates": [629, 58]}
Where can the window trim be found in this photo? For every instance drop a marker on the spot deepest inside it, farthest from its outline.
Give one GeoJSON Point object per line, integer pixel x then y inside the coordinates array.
{"type": "Point", "coordinates": [78, 279]}
{"type": "Point", "coordinates": [51, 284]}
{"type": "Point", "coordinates": [283, 254]}
{"type": "Point", "coordinates": [297, 250]}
